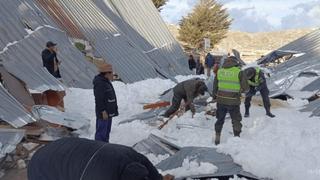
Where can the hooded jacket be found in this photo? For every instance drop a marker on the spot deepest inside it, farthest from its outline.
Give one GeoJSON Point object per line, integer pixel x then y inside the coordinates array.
{"type": "Point", "coordinates": [230, 98]}
{"type": "Point", "coordinates": [105, 97]}
{"type": "Point", "coordinates": [189, 90]}
{"type": "Point", "coordinates": [83, 159]}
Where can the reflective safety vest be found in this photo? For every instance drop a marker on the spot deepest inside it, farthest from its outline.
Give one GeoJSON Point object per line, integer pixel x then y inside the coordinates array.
{"type": "Point", "coordinates": [256, 78]}
{"type": "Point", "coordinates": [228, 79]}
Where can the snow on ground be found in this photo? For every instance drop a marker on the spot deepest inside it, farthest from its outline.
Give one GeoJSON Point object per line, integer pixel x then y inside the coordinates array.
{"type": "Point", "coordinates": [190, 168]}
{"type": "Point", "coordinates": [286, 147]}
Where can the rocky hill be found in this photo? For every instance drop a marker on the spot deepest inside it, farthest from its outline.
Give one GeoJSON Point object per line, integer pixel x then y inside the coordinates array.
{"type": "Point", "coordinates": [253, 45]}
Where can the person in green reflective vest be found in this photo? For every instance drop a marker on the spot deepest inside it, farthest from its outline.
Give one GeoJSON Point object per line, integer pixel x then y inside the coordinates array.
{"type": "Point", "coordinates": [257, 82]}
{"type": "Point", "coordinates": [228, 85]}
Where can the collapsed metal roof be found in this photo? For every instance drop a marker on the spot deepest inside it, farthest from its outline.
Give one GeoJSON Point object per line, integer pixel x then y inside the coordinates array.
{"type": "Point", "coordinates": [12, 111]}
{"type": "Point", "coordinates": [9, 138]}
{"type": "Point", "coordinates": [160, 146]}
{"type": "Point", "coordinates": [167, 52]}
{"type": "Point", "coordinates": [23, 59]}
{"type": "Point", "coordinates": [313, 86]}
{"type": "Point", "coordinates": [274, 55]}
{"type": "Point", "coordinates": [24, 17]}
{"type": "Point", "coordinates": [110, 42]}
{"type": "Point", "coordinates": [16, 17]}
{"type": "Point", "coordinates": [285, 74]}
{"type": "Point", "coordinates": [313, 107]}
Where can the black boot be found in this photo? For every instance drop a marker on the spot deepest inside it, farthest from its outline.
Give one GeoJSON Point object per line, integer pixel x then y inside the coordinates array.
{"type": "Point", "coordinates": [268, 113]}
{"type": "Point", "coordinates": [247, 114]}
{"type": "Point", "coordinates": [217, 140]}
{"type": "Point", "coordinates": [236, 133]}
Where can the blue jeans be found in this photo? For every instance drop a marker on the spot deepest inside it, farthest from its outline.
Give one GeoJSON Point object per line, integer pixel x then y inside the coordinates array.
{"type": "Point", "coordinates": [103, 129]}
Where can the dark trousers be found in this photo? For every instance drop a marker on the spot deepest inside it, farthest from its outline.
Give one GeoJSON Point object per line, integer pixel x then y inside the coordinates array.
{"type": "Point", "coordinates": [235, 114]}
{"type": "Point", "coordinates": [264, 91]}
{"type": "Point", "coordinates": [175, 105]}
{"type": "Point", "coordinates": [103, 129]}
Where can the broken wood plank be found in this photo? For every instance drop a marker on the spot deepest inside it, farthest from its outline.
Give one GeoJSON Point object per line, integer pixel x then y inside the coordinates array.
{"type": "Point", "coordinates": [156, 105]}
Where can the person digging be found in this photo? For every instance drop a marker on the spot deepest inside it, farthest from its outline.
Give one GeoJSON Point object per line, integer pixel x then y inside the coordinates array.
{"type": "Point", "coordinates": [257, 82]}
{"type": "Point", "coordinates": [187, 90]}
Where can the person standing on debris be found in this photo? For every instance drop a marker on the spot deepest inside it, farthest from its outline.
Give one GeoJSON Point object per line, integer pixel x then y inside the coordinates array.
{"type": "Point", "coordinates": [192, 63]}
{"type": "Point", "coordinates": [209, 62]}
{"type": "Point", "coordinates": [228, 85]}
{"type": "Point", "coordinates": [257, 82]}
{"type": "Point", "coordinates": [50, 60]}
{"type": "Point", "coordinates": [84, 159]}
{"type": "Point", "coordinates": [106, 102]}
{"type": "Point", "coordinates": [199, 68]}
{"type": "Point", "coordinates": [187, 90]}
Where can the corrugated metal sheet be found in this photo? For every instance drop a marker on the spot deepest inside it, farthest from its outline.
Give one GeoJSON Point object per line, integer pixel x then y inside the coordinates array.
{"type": "Point", "coordinates": [313, 107]}
{"type": "Point", "coordinates": [16, 16]}
{"type": "Point", "coordinates": [61, 18]}
{"type": "Point", "coordinates": [150, 25]}
{"type": "Point", "coordinates": [9, 138]}
{"type": "Point", "coordinates": [23, 59]}
{"type": "Point", "coordinates": [109, 41]}
{"type": "Point", "coordinates": [313, 86]}
{"type": "Point", "coordinates": [286, 73]}
{"type": "Point", "coordinates": [12, 111]}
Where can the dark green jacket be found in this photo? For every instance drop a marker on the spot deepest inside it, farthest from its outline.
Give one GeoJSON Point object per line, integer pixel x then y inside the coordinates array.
{"type": "Point", "coordinates": [230, 98]}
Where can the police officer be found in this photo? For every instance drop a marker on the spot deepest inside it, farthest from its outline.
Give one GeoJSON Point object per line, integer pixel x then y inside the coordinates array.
{"type": "Point", "coordinates": [257, 82]}
{"type": "Point", "coordinates": [228, 85]}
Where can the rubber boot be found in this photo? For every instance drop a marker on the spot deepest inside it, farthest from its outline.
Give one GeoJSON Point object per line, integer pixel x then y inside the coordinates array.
{"type": "Point", "coordinates": [268, 113]}
{"type": "Point", "coordinates": [236, 133]}
{"type": "Point", "coordinates": [247, 114]}
{"type": "Point", "coordinates": [217, 140]}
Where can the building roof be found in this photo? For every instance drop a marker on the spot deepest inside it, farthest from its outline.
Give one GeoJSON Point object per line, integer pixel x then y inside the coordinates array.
{"type": "Point", "coordinates": [285, 74]}
{"type": "Point", "coordinates": [12, 111]}
{"type": "Point", "coordinates": [9, 138]}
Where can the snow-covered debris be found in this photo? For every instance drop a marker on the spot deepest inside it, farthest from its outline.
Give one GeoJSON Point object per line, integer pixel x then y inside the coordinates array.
{"type": "Point", "coordinates": [191, 168]}
{"type": "Point", "coordinates": [282, 148]}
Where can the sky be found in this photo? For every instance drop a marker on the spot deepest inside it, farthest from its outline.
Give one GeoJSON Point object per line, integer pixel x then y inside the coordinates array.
{"type": "Point", "coordinates": [256, 15]}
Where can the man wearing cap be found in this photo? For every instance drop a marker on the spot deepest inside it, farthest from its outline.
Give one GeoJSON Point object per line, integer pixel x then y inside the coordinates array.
{"type": "Point", "coordinates": [257, 82]}
{"type": "Point", "coordinates": [106, 102]}
{"type": "Point", "coordinates": [228, 85]}
{"type": "Point", "coordinates": [50, 60]}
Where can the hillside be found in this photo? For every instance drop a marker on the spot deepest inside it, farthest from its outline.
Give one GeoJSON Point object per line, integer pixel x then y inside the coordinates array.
{"type": "Point", "coordinates": [253, 45]}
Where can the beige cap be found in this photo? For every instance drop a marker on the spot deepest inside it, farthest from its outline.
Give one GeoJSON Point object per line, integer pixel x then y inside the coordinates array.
{"type": "Point", "coordinates": [105, 68]}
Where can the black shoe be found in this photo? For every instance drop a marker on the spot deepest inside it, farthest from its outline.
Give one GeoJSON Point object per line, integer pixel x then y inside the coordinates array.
{"type": "Point", "coordinates": [270, 115]}
{"type": "Point", "coordinates": [246, 115]}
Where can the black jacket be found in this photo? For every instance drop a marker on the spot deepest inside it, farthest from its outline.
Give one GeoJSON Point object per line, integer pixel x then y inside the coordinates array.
{"type": "Point", "coordinates": [48, 59]}
{"type": "Point", "coordinates": [192, 63]}
{"type": "Point", "coordinates": [105, 97]}
{"type": "Point", "coordinates": [73, 158]}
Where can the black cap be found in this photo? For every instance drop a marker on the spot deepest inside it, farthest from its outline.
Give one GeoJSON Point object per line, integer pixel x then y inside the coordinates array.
{"type": "Point", "coordinates": [50, 44]}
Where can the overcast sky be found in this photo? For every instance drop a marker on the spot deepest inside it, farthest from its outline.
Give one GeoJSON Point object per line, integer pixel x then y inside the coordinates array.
{"type": "Point", "coordinates": [256, 15]}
